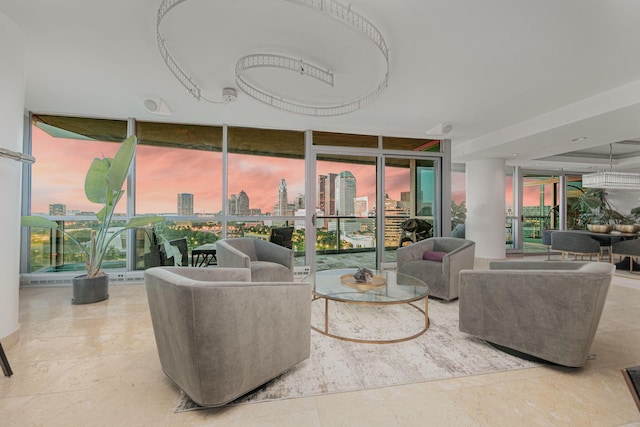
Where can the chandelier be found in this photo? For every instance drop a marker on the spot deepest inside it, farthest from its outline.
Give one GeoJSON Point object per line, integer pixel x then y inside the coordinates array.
{"type": "Point", "coordinates": [330, 8]}
{"type": "Point", "coordinates": [612, 179]}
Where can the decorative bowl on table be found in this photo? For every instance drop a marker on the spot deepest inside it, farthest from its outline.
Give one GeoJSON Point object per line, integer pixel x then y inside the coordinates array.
{"type": "Point", "coordinates": [628, 228]}
{"type": "Point", "coordinates": [354, 281]}
{"type": "Point", "coordinates": [600, 228]}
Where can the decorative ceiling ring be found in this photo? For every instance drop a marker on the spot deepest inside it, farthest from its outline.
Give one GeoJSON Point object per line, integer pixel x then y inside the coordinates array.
{"type": "Point", "coordinates": [332, 9]}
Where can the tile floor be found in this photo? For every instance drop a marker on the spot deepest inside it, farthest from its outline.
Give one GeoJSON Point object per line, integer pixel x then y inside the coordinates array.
{"type": "Point", "coordinates": [96, 365]}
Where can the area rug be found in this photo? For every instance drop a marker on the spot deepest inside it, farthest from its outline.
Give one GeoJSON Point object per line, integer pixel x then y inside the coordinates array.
{"type": "Point", "coordinates": [339, 366]}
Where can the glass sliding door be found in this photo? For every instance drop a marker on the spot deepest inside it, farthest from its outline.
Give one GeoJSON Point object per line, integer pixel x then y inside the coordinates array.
{"type": "Point", "coordinates": [540, 208]}
{"type": "Point", "coordinates": [410, 204]}
{"type": "Point", "coordinates": [345, 221]}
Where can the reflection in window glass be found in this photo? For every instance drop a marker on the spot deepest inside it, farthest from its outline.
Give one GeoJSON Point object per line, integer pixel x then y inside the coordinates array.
{"type": "Point", "coordinates": [52, 251]}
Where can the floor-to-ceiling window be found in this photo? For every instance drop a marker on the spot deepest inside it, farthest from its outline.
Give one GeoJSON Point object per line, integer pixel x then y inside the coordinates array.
{"type": "Point", "coordinates": [65, 148]}
{"type": "Point", "coordinates": [211, 182]}
{"type": "Point", "coordinates": [266, 185]}
{"type": "Point", "coordinates": [178, 175]}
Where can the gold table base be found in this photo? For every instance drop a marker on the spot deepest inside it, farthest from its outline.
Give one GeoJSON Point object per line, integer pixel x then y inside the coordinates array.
{"type": "Point", "coordinates": [364, 341]}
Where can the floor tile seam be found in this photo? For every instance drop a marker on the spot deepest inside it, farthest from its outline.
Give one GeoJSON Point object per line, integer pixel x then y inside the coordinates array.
{"type": "Point", "coordinates": [464, 379]}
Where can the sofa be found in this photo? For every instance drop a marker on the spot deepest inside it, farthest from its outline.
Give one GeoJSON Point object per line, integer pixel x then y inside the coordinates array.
{"type": "Point", "coordinates": [219, 335]}
{"type": "Point", "coordinates": [268, 262]}
{"type": "Point", "coordinates": [437, 261]}
{"type": "Point", "coordinates": [546, 309]}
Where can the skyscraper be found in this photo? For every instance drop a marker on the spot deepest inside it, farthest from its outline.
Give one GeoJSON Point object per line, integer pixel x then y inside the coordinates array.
{"type": "Point", "coordinates": [345, 189]}
{"type": "Point", "coordinates": [233, 204]}
{"type": "Point", "coordinates": [405, 199]}
{"type": "Point", "coordinates": [322, 179]}
{"type": "Point", "coordinates": [242, 204]}
{"type": "Point", "coordinates": [185, 204]}
{"type": "Point", "coordinates": [283, 202]}
{"type": "Point", "coordinates": [57, 209]}
{"type": "Point", "coordinates": [327, 193]}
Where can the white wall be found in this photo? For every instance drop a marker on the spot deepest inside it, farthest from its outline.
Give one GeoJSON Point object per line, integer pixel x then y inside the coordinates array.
{"type": "Point", "coordinates": [485, 222]}
{"type": "Point", "coordinates": [12, 88]}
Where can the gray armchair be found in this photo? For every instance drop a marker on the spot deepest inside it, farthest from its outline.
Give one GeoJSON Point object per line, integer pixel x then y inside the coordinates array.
{"type": "Point", "coordinates": [575, 243]}
{"type": "Point", "coordinates": [626, 248]}
{"type": "Point", "coordinates": [267, 261]}
{"type": "Point", "coordinates": [441, 275]}
{"type": "Point", "coordinates": [549, 309]}
{"type": "Point", "coordinates": [219, 335]}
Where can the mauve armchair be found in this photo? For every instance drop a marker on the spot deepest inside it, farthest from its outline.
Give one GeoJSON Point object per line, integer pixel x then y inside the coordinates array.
{"type": "Point", "coordinates": [219, 335]}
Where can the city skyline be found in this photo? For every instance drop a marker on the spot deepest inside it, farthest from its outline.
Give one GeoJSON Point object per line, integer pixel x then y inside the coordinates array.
{"type": "Point", "coordinates": [58, 177]}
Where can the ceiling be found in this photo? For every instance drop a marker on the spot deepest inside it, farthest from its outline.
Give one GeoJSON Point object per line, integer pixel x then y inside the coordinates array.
{"type": "Point", "coordinates": [518, 79]}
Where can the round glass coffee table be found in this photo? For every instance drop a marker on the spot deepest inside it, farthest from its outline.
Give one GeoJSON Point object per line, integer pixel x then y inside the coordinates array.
{"type": "Point", "coordinates": [388, 288]}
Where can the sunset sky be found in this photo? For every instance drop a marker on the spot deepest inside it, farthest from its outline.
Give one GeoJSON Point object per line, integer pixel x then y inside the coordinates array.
{"type": "Point", "coordinates": [162, 173]}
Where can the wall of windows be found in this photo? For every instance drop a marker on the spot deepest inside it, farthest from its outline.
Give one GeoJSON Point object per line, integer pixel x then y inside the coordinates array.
{"type": "Point", "coordinates": [209, 182]}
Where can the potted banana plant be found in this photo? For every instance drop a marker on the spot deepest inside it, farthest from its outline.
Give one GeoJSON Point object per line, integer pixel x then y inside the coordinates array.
{"type": "Point", "coordinates": [103, 184]}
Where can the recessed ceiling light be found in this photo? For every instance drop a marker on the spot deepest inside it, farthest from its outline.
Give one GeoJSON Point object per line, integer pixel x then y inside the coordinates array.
{"type": "Point", "coordinates": [157, 106]}
{"type": "Point", "coordinates": [580, 138]}
{"type": "Point", "coordinates": [440, 129]}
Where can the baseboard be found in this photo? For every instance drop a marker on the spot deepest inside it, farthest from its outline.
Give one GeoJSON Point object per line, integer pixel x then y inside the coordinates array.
{"type": "Point", "coordinates": [300, 272]}
{"type": "Point", "coordinates": [388, 266]}
{"type": "Point", "coordinates": [64, 279]}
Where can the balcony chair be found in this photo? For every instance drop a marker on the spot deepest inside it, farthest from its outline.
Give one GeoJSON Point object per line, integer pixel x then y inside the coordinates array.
{"type": "Point", "coordinates": [267, 261]}
{"type": "Point", "coordinates": [437, 261]}
{"type": "Point", "coordinates": [219, 335]}
{"type": "Point", "coordinates": [282, 236]}
{"type": "Point", "coordinates": [546, 309]}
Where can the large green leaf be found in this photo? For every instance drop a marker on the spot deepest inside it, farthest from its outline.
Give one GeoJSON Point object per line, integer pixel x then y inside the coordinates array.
{"type": "Point", "coordinates": [38, 222]}
{"type": "Point", "coordinates": [95, 184]}
{"type": "Point", "coordinates": [121, 163]}
{"type": "Point", "coordinates": [101, 213]}
{"type": "Point", "coordinates": [143, 221]}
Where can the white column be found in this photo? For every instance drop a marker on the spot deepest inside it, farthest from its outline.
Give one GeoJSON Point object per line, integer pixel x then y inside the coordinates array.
{"type": "Point", "coordinates": [485, 222]}
{"type": "Point", "coordinates": [12, 88]}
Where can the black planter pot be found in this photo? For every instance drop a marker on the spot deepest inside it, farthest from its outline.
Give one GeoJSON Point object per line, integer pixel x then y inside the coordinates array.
{"type": "Point", "coordinates": [89, 290]}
